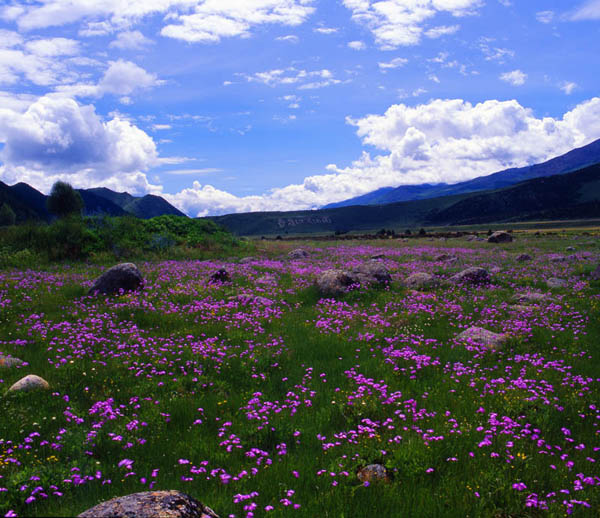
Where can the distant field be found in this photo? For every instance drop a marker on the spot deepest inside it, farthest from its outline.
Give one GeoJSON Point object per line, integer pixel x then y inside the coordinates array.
{"type": "Point", "coordinates": [270, 406]}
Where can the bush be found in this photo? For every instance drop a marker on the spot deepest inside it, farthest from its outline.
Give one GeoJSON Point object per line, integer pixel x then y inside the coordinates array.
{"type": "Point", "coordinates": [64, 200]}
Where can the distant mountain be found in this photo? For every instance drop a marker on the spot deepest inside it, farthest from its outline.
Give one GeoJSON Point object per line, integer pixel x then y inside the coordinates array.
{"type": "Point", "coordinates": [574, 195]}
{"type": "Point", "coordinates": [571, 161]}
{"type": "Point", "coordinates": [30, 204]}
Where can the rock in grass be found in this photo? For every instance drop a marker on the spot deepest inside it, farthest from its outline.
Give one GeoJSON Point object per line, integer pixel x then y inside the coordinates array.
{"type": "Point", "coordinates": [221, 275]}
{"type": "Point", "coordinates": [373, 473]}
{"type": "Point", "coordinates": [553, 282]}
{"type": "Point", "coordinates": [524, 258]}
{"type": "Point", "coordinates": [299, 253]}
{"type": "Point", "coordinates": [570, 249]}
{"type": "Point", "coordinates": [30, 383]}
{"type": "Point", "coordinates": [446, 258]}
{"type": "Point", "coordinates": [335, 282]}
{"type": "Point", "coordinates": [530, 298]}
{"type": "Point", "coordinates": [373, 272]}
{"type": "Point", "coordinates": [246, 260]}
{"type": "Point", "coordinates": [125, 276]}
{"type": "Point", "coordinates": [151, 504]}
{"type": "Point", "coordinates": [473, 275]}
{"type": "Point", "coordinates": [482, 336]}
{"type": "Point", "coordinates": [7, 361]}
{"type": "Point", "coordinates": [500, 237]}
{"type": "Point", "coordinates": [420, 280]}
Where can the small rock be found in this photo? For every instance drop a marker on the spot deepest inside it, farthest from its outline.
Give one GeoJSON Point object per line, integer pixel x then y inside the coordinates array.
{"type": "Point", "coordinates": [420, 280]}
{"type": "Point", "coordinates": [151, 504]}
{"type": "Point", "coordinates": [526, 309]}
{"type": "Point", "coordinates": [30, 383]}
{"type": "Point", "coordinates": [246, 260]}
{"type": "Point", "coordinates": [446, 258]}
{"type": "Point", "coordinates": [125, 276]}
{"type": "Point", "coordinates": [482, 336]}
{"type": "Point", "coordinates": [523, 258]}
{"type": "Point", "coordinates": [378, 256]}
{"type": "Point", "coordinates": [473, 275]}
{"type": "Point", "coordinates": [553, 282]}
{"type": "Point", "coordinates": [570, 249]}
{"type": "Point", "coordinates": [500, 237]}
{"type": "Point", "coordinates": [335, 282]}
{"type": "Point", "coordinates": [373, 473]}
{"type": "Point", "coordinates": [299, 253]}
{"type": "Point", "coordinates": [221, 275]}
{"type": "Point", "coordinates": [530, 298]}
{"type": "Point", "coordinates": [7, 361]}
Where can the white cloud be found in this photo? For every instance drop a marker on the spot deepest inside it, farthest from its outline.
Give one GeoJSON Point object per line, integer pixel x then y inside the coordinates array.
{"type": "Point", "coordinates": [568, 87]}
{"type": "Point", "coordinates": [590, 10]}
{"type": "Point", "coordinates": [394, 63]}
{"type": "Point", "coordinates": [57, 138]}
{"type": "Point", "coordinates": [290, 38]}
{"type": "Point", "coordinates": [326, 30]}
{"type": "Point", "coordinates": [51, 47]}
{"type": "Point", "coordinates": [515, 78]}
{"type": "Point", "coordinates": [357, 45]}
{"type": "Point", "coordinates": [441, 141]}
{"type": "Point", "coordinates": [545, 16]}
{"type": "Point", "coordinates": [305, 80]}
{"type": "Point", "coordinates": [397, 23]}
{"type": "Point", "coordinates": [444, 30]}
{"type": "Point", "coordinates": [131, 40]}
{"type": "Point", "coordinates": [206, 170]}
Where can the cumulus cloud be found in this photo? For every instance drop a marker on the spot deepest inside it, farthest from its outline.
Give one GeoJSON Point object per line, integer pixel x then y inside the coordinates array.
{"type": "Point", "coordinates": [394, 63]}
{"type": "Point", "coordinates": [397, 23]}
{"type": "Point", "coordinates": [131, 40]}
{"type": "Point", "coordinates": [357, 45]}
{"type": "Point", "coordinates": [441, 141]}
{"type": "Point", "coordinates": [305, 80]}
{"type": "Point", "coordinates": [57, 138]}
{"type": "Point", "coordinates": [568, 87]}
{"type": "Point", "coordinates": [515, 78]}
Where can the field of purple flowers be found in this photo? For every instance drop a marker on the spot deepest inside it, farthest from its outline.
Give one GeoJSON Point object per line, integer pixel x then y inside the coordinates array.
{"type": "Point", "coordinates": [260, 397]}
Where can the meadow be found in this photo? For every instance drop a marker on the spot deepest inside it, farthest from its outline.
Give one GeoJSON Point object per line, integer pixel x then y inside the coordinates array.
{"type": "Point", "coordinates": [260, 397]}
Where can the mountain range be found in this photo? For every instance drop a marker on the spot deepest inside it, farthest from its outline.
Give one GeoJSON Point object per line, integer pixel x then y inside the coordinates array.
{"type": "Point", "coordinates": [571, 161]}
{"type": "Point", "coordinates": [30, 204]}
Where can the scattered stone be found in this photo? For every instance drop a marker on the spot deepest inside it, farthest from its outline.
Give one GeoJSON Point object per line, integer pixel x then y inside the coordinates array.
{"type": "Point", "coordinates": [446, 258]}
{"type": "Point", "coordinates": [378, 256]}
{"type": "Point", "coordinates": [500, 237]}
{"type": "Point", "coordinates": [482, 336]}
{"type": "Point", "coordinates": [151, 504]}
{"type": "Point", "coordinates": [335, 282]}
{"type": "Point", "coordinates": [299, 253]}
{"type": "Point", "coordinates": [30, 383]}
{"type": "Point", "coordinates": [531, 298]}
{"type": "Point", "coordinates": [221, 275]}
{"type": "Point", "coordinates": [421, 280]}
{"type": "Point", "coordinates": [553, 282]}
{"type": "Point", "coordinates": [524, 308]}
{"type": "Point", "coordinates": [523, 258]}
{"type": "Point", "coordinates": [473, 275]}
{"type": "Point", "coordinates": [373, 473]}
{"type": "Point", "coordinates": [125, 276]}
{"type": "Point", "coordinates": [570, 249]}
{"type": "Point", "coordinates": [251, 299]}
{"type": "Point", "coordinates": [7, 361]}
{"type": "Point", "coordinates": [373, 272]}
{"type": "Point", "coordinates": [246, 260]}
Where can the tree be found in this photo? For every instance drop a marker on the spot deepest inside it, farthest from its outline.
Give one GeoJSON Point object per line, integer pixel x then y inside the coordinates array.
{"type": "Point", "coordinates": [7, 215]}
{"type": "Point", "coordinates": [64, 200]}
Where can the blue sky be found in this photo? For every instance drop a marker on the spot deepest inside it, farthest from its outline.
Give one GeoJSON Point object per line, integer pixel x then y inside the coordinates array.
{"type": "Point", "coordinates": [238, 105]}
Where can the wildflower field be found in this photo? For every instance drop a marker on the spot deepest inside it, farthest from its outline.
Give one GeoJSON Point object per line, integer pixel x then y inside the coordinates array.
{"type": "Point", "coordinates": [259, 397]}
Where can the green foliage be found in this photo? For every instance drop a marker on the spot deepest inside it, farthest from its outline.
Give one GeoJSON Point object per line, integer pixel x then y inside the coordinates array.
{"type": "Point", "coordinates": [64, 200]}
{"type": "Point", "coordinates": [7, 215]}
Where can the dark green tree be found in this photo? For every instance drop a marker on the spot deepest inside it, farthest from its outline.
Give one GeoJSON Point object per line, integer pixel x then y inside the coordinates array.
{"type": "Point", "coordinates": [64, 200]}
{"type": "Point", "coordinates": [7, 215]}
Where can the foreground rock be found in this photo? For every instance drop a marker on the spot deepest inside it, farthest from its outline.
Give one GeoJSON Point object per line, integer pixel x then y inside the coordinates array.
{"type": "Point", "coordinates": [420, 280]}
{"type": "Point", "coordinates": [373, 272]}
{"type": "Point", "coordinates": [523, 258]}
{"type": "Point", "coordinates": [299, 253]}
{"type": "Point", "coordinates": [30, 383]}
{"type": "Point", "coordinates": [7, 361]}
{"type": "Point", "coordinates": [151, 504]}
{"type": "Point", "coordinates": [332, 283]}
{"type": "Point", "coordinates": [500, 237]}
{"type": "Point", "coordinates": [479, 335]}
{"type": "Point", "coordinates": [125, 276]}
{"type": "Point", "coordinates": [473, 275]}
{"type": "Point", "coordinates": [373, 473]}
{"type": "Point", "coordinates": [553, 282]}
{"type": "Point", "coordinates": [221, 275]}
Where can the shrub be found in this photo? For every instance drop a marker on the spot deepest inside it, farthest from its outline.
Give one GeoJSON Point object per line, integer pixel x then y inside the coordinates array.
{"type": "Point", "coordinates": [64, 200]}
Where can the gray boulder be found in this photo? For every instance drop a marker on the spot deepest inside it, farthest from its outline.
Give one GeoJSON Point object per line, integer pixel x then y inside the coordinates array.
{"type": "Point", "coordinates": [125, 276]}
{"type": "Point", "coordinates": [500, 237]}
{"type": "Point", "coordinates": [151, 504]}
{"type": "Point", "coordinates": [481, 336]}
{"type": "Point", "coordinates": [420, 280]}
{"type": "Point", "coordinates": [373, 272]}
{"type": "Point", "coordinates": [553, 282]}
{"type": "Point", "coordinates": [7, 361]}
{"type": "Point", "coordinates": [473, 275]}
{"type": "Point", "coordinates": [335, 282]}
{"type": "Point", "coordinates": [530, 298]}
{"type": "Point", "coordinates": [29, 383]}
{"type": "Point", "coordinates": [299, 253]}
{"type": "Point", "coordinates": [523, 258]}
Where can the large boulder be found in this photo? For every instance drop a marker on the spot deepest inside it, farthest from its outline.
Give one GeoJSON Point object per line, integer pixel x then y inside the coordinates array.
{"type": "Point", "coordinates": [473, 275]}
{"type": "Point", "coordinates": [7, 361]}
{"type": "Point", "coordinates": [420, 280]}
{"type": "Point", "coordinates": [481, 336]}
{"type": "Point", "coordinates": [373, 272]}
{"type": "Point", "coordinates": [29, 384]}
{"type": "Point", "coordinates": [500, 237]}
{"type": "Point", "coordinates": [299, 253]}
{"type": "Point", "coordinates": [335, 282]}
{"type": "Point", "coordinates": [151, 504]}
{"type": "Point", "coordinates": [125, 276]}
